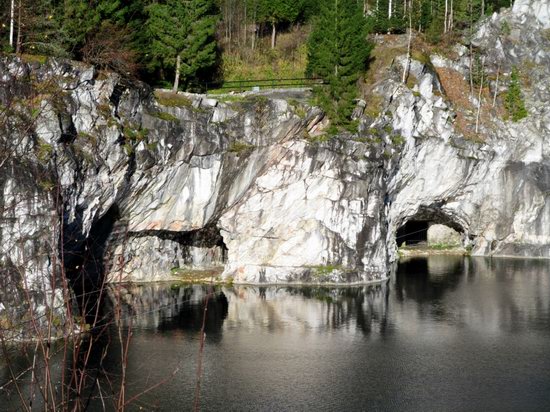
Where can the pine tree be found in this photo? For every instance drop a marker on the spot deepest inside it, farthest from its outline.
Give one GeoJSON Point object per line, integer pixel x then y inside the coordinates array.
{"type": "Point", "coordinates": [82, 20]}
{"type": "Point", "coordinates": [200, 53]}
{"type": "Point", "coordinates": [514, 101]}
{"type": "Point", "coordinates": [338, 51]}
{"type": "Point", "coordinates": [168, 27]}
{"type": "Point", "coordinates": [183, 39]}
{"type": "Point", "coordinates": [276, 12]}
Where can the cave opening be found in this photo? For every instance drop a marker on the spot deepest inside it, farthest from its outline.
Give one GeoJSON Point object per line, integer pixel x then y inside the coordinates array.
{"type": "Point", "coordinates": [196, 249]}
{"type": "Point", "coordinates": [84, 259]}
{"type": "Point", "coordinates": [413, 232]}
{"type": "Point", "coordinates": [429, 227]}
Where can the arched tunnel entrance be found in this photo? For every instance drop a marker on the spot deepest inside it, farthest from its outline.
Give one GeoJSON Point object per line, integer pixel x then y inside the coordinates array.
{"type": "Point", "coordinates": [430, 227]}
{"type": "Point", "coordinates": [413, 232]}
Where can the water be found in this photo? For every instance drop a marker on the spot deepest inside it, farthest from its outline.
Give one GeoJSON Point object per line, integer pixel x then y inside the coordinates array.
{"type": "Point", "coordinates": [446, 333]}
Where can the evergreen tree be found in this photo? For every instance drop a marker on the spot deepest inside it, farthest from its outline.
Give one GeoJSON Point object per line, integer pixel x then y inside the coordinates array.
{"type": "Point", "coordinates": [182, 38]}
{"type": "Point", "coordinates": [276, 12]}
{"type": "Point", "coordinates": [168, 26]}
{"type": "Point", "coordinates": [82, 20]}
{"type": "Point", "coordinates": [514, 101]}
{"type": "Point", "coordinates": [200, 52]}
{"type": "Point", "coordinates": [338, 51]}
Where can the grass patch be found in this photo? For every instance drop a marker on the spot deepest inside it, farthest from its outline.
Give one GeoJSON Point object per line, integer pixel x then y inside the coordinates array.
{"type": "Point", "coordinates": [231, 98]}
{"type": "Point", "coordinates": [104, 109]}
{"type": "Point", "coordinates": [137, 133]}
{"type": "Point", "coordinates": [239, 147]}
{"type": "Point", "coordinates": [186, 276]}
{"type": "Point", "coordinates": [324, 270]}
{"type": "Point", "coordinates": [170, 99]}
{"type": "Point", "coordinates": [165, 116]}
{"type": "Point", "coordinates": [46, 185]}
{"type": "Point", "coordinates": [288, 60]}
{"type": "Point", "coordinates": [374, 105]}
{"type": "Point", "coordinates": [443, 246]}
{"type": "Point", "coordinates": [299, 109]}
{"type": "Point", "coordinates": [87, 136]}
{"type": "Point", "coordinates": [320, 138]}
{"type": "Point", "coordinates": [44, 152]}
{"type": "Point", "coordinates": [397, 140]}
{"type": "Point", "coordinates": [34, 58]}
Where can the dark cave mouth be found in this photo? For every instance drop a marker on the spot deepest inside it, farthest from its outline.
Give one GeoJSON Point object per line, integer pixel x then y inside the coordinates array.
{"type": "Point", "coordinates": [430, 228]}
{"type": "Point", "coordinates": [413, 232]}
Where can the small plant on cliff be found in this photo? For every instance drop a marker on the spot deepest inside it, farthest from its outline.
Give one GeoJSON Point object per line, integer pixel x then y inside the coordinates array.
{"type": "Point", "coordinates": [44, 152]}
{"type": "Point", "coordinates": [165, 116]}
{"type": "Point", "coordinates": [514, 101]}
{"type": "Point", "coordinates": [238, 147]}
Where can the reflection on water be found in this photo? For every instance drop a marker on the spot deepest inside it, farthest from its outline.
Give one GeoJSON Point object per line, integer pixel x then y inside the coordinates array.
{"type": "Point", "coordinates": [446, 333]}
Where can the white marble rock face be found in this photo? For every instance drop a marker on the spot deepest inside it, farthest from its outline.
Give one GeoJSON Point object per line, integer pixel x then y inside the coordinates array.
{"type": "Point", "coordinates": [251, 186]}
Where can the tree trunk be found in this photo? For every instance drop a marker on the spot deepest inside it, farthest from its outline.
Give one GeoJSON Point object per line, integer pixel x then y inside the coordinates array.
{"type": "Point", "coordinates": [408, 62]}
{"type": "Point", "coordinates": [496, 88]}
{"type": "Point", "coordinates": [479, 95]}
{"type": "Point", "coordinates": [255, 25]}
{"type": "Point", "coordinates": [273, 34]}
{"type": "Point", "coordinates": [451, 18]}
{"type": "Point", "coordinates": [446, 16]}
{"type": "Point", "coordinates": [245, 24]}
{"type": "Point", "coordinates": [12, 21]}
{"type": "Point", "coordinates": [177, 77]}
{"type": "Point", "coordinates": [390, 9]}
{"type": "Point", "coordinates": [18, 45]}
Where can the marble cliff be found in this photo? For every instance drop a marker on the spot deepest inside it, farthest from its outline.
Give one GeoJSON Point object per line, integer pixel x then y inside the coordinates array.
{"type": "Point", "coordinates": [102, 178]}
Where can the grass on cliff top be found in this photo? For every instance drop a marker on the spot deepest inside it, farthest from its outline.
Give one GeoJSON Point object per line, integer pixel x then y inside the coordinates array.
{"type": "Point", "coordinates": [170, 99]}
{"type": "Point", "coordinates": [34, 58]}
{"type": "Point", "coordinates": [165, 116]}
{"type": "Point", "coordinates": [287, 61]}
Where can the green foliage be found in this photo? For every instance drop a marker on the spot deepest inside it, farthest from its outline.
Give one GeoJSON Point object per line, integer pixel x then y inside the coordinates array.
{"type": "Point", "coordinates": [186, 29]}
{"type": "Point", "coordinates": [478, 71]}
{"type": "Point", "coordinates": [80, 20]}
{"type": "Point", "coordinates": [505, 29]}
{"type": "Point", "coordinates": [239, 147]}
{"type": "Point", "coordinates": [44, 151]}
{"type": "Point", "coordinates": [136, 133]}
{"type": "Point", "coordinates": [323, 271]}
{"type": "Point", "coordinates": [169, 99]}
{"type": "Point", "coordinates": [513, 100]}
{"type": "Point", "coordinates": [397, 140]}
{"type": "Point", "coordinates": [200, 52]}
{"type": "Point", "coordinates": [279, 11]}
{"type": "Point", "coordinates": [167, 26]}
{"type": "Point", "coordinates": [46, 185]}
{"type": "Point", "coordinates": [338, 52]}
{"type": "Point", "coordinates": [165, 116]}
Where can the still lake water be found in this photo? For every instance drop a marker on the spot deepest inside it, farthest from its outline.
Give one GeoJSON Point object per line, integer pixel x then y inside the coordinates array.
{"type": "Point", "coordinates": [445, 333]}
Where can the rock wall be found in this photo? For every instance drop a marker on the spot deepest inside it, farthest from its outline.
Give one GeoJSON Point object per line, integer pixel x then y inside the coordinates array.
{"type": "Point", "coordinates": [102, 178]}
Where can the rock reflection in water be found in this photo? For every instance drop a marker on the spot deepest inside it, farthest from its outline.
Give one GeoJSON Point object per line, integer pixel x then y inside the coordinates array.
{"type": "Point", "coordinates": [446, 333]}
{"type": "Point", "coordinates": [312, 308]}
{"type": "Point", "coordinates": [161, 307]}
{"type": "Point", "coordinates": [488, 295]}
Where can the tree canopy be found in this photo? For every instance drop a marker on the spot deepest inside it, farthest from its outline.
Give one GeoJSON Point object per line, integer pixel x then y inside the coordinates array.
{"type": "Point", "coordinates": [338, 51]}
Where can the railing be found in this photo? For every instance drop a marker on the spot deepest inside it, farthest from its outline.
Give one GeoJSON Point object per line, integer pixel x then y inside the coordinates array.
{"type": "Point", "coordinates": [242, 85]}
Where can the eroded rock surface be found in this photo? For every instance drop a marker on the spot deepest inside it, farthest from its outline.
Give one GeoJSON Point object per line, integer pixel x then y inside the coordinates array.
{"type": "Point", "coordinates": [100, 178]}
